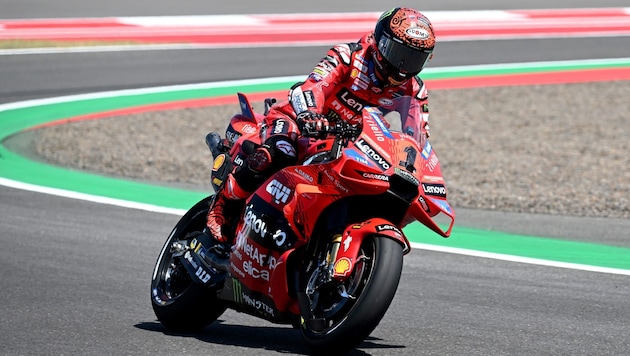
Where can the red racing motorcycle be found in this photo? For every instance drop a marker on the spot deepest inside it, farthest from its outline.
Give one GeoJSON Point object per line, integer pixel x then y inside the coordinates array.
{"type": "Point", "coordinates": [320, 244]}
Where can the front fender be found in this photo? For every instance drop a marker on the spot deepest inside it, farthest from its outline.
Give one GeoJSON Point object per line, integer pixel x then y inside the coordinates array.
{"type": "Point", "coordinates": [353, 237]}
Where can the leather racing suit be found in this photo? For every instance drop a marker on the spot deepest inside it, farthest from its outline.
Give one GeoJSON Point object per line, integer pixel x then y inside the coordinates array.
{"type": "Point", "coordinates": [339, 87]}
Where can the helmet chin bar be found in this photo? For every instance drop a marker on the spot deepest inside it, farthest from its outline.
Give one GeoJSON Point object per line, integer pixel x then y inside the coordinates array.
{"type": "Point", "coordinates": [386, 72]}
{"type": "Point", "coordinates": [394, 81]}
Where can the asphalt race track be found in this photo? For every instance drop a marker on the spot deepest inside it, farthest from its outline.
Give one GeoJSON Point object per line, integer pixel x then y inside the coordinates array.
{"type": "Point", "coordinates": [75, 275]}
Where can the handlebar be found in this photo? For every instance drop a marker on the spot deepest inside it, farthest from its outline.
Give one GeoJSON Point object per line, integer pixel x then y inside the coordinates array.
{"type": "Point", "coordinates": [339, 128]}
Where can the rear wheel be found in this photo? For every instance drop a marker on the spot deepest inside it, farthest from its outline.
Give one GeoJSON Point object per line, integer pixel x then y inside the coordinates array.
{"type": "Point", "coordinates": [180, 304]}
{"type": "Point", "coordinates": [344, 314]}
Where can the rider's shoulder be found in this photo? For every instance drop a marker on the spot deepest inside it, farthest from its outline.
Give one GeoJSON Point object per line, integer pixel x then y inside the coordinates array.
{"type": "Point", "coordinates": [345, 51]}
{"type": "Point", "coordinates": [418, 88]}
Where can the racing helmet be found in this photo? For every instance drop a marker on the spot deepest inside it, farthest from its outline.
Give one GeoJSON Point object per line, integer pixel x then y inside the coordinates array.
{"type": "Point", "coordinates": [403, 44]}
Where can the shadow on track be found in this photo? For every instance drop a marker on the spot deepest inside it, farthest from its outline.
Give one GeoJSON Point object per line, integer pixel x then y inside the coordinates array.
{"type": "Point", "coordinates": [278, 339]}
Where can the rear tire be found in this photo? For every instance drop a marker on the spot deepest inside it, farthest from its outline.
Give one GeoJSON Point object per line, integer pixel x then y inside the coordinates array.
{"type": "Point", "coordinates": [348, 322]}
{"type": "Point", "coordinates": [180, 304]}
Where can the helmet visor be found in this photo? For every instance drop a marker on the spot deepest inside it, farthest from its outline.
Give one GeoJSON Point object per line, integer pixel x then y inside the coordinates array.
{"type": "Point", "coordinates": [406, 60]}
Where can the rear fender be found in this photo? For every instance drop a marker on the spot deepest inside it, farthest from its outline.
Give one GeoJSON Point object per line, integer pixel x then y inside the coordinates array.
{"type": "Point", "coordinates": [353, 237]}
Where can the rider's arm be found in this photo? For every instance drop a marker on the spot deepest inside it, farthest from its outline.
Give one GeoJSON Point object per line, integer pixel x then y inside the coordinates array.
{"type": "Point", "coordinates": [421, 95]}
{"type": "Point", "coordinates": [311, 94]}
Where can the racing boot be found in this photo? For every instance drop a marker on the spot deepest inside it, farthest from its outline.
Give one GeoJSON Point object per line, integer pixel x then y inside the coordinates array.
{"type": "Point", "coordinates": [221, 222]}
{"type": "Point", "coordinates": [229, 201]}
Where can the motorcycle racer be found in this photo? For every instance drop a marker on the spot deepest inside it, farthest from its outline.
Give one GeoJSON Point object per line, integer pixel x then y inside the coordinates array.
{"type": "Point", "coordinates": [380, 66]}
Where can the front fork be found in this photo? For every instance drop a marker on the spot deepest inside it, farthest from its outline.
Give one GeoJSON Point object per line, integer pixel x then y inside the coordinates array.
{"type": "Point", "coordinates": [322, 292]}
{"type": "Point", "coordinates": [326, 270]}
{"type": "Point", "coordinates": [344, 255]}
{"type": "Point", "coordinates": [334, 250]}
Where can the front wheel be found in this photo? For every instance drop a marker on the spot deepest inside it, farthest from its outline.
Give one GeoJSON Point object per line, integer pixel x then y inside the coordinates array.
{"type": "Point", "coordinates": [344, 314]}
{"type": "Point", "coordinates": [180, 304]}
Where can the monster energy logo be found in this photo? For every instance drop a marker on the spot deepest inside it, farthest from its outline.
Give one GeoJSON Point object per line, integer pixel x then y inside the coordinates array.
{"type": "Point", "coordinates": [238, 291]}
{"type": "Point", "coordinates": [247, 300]}
{"type": "Point", "coordinates": [385, 14]}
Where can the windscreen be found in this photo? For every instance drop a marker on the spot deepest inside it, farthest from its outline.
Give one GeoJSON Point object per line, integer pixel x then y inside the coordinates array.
{"type": "Point", "coordinates": [404, 115]}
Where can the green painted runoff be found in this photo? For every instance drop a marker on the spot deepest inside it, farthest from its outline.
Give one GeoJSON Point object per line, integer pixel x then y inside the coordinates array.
{"type": "Point", "coordinates": [18, 168]}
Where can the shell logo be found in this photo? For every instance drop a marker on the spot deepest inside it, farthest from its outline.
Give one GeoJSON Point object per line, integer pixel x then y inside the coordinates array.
{"type": "Point", "coordinates": [342, 267]}
{"type": "Point", "coordinates": [218, 162]}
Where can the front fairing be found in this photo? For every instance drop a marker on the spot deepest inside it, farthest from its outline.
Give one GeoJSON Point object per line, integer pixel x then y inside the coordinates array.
{"type": "Point", "coordinates": [388, 169]}
{"type": "Point", "coordinates": [393, 154]}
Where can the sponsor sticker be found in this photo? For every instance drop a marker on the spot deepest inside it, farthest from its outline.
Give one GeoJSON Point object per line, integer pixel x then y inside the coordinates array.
{"type": "Point", "coordinates": [417, 32]}
{"type": "Point", "coordinates": [426, 150]}
{"type": "Point", "coordinates": [278, 191]}
{"type": "Point", "coordinates": [358, 157]}
{"type": "Point", "coordinates": [372, 154]}
{"type": "Point", "coordinates": [287, 148]}
{"type": "Point", "coordinates": [342, 266]}
{"type": "Point", "coordinates": [437, 190]}
{"type": "Point", "coordinates": [310, 98]}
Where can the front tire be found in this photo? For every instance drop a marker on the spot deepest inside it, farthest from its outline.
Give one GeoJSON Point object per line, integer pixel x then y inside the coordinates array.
{"type": "Point", "coordinates": [343, 323]}
{"type": "Point", "coordinates": [180, 304]}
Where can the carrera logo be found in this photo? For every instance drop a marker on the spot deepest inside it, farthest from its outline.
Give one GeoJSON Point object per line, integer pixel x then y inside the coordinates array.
{"type": "Point", "coordinates": [374, 176]}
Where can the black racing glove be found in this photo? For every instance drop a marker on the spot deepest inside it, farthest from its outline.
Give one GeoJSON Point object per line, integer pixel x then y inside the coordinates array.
{"type": "Point", "coordinates": [312, 123]}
